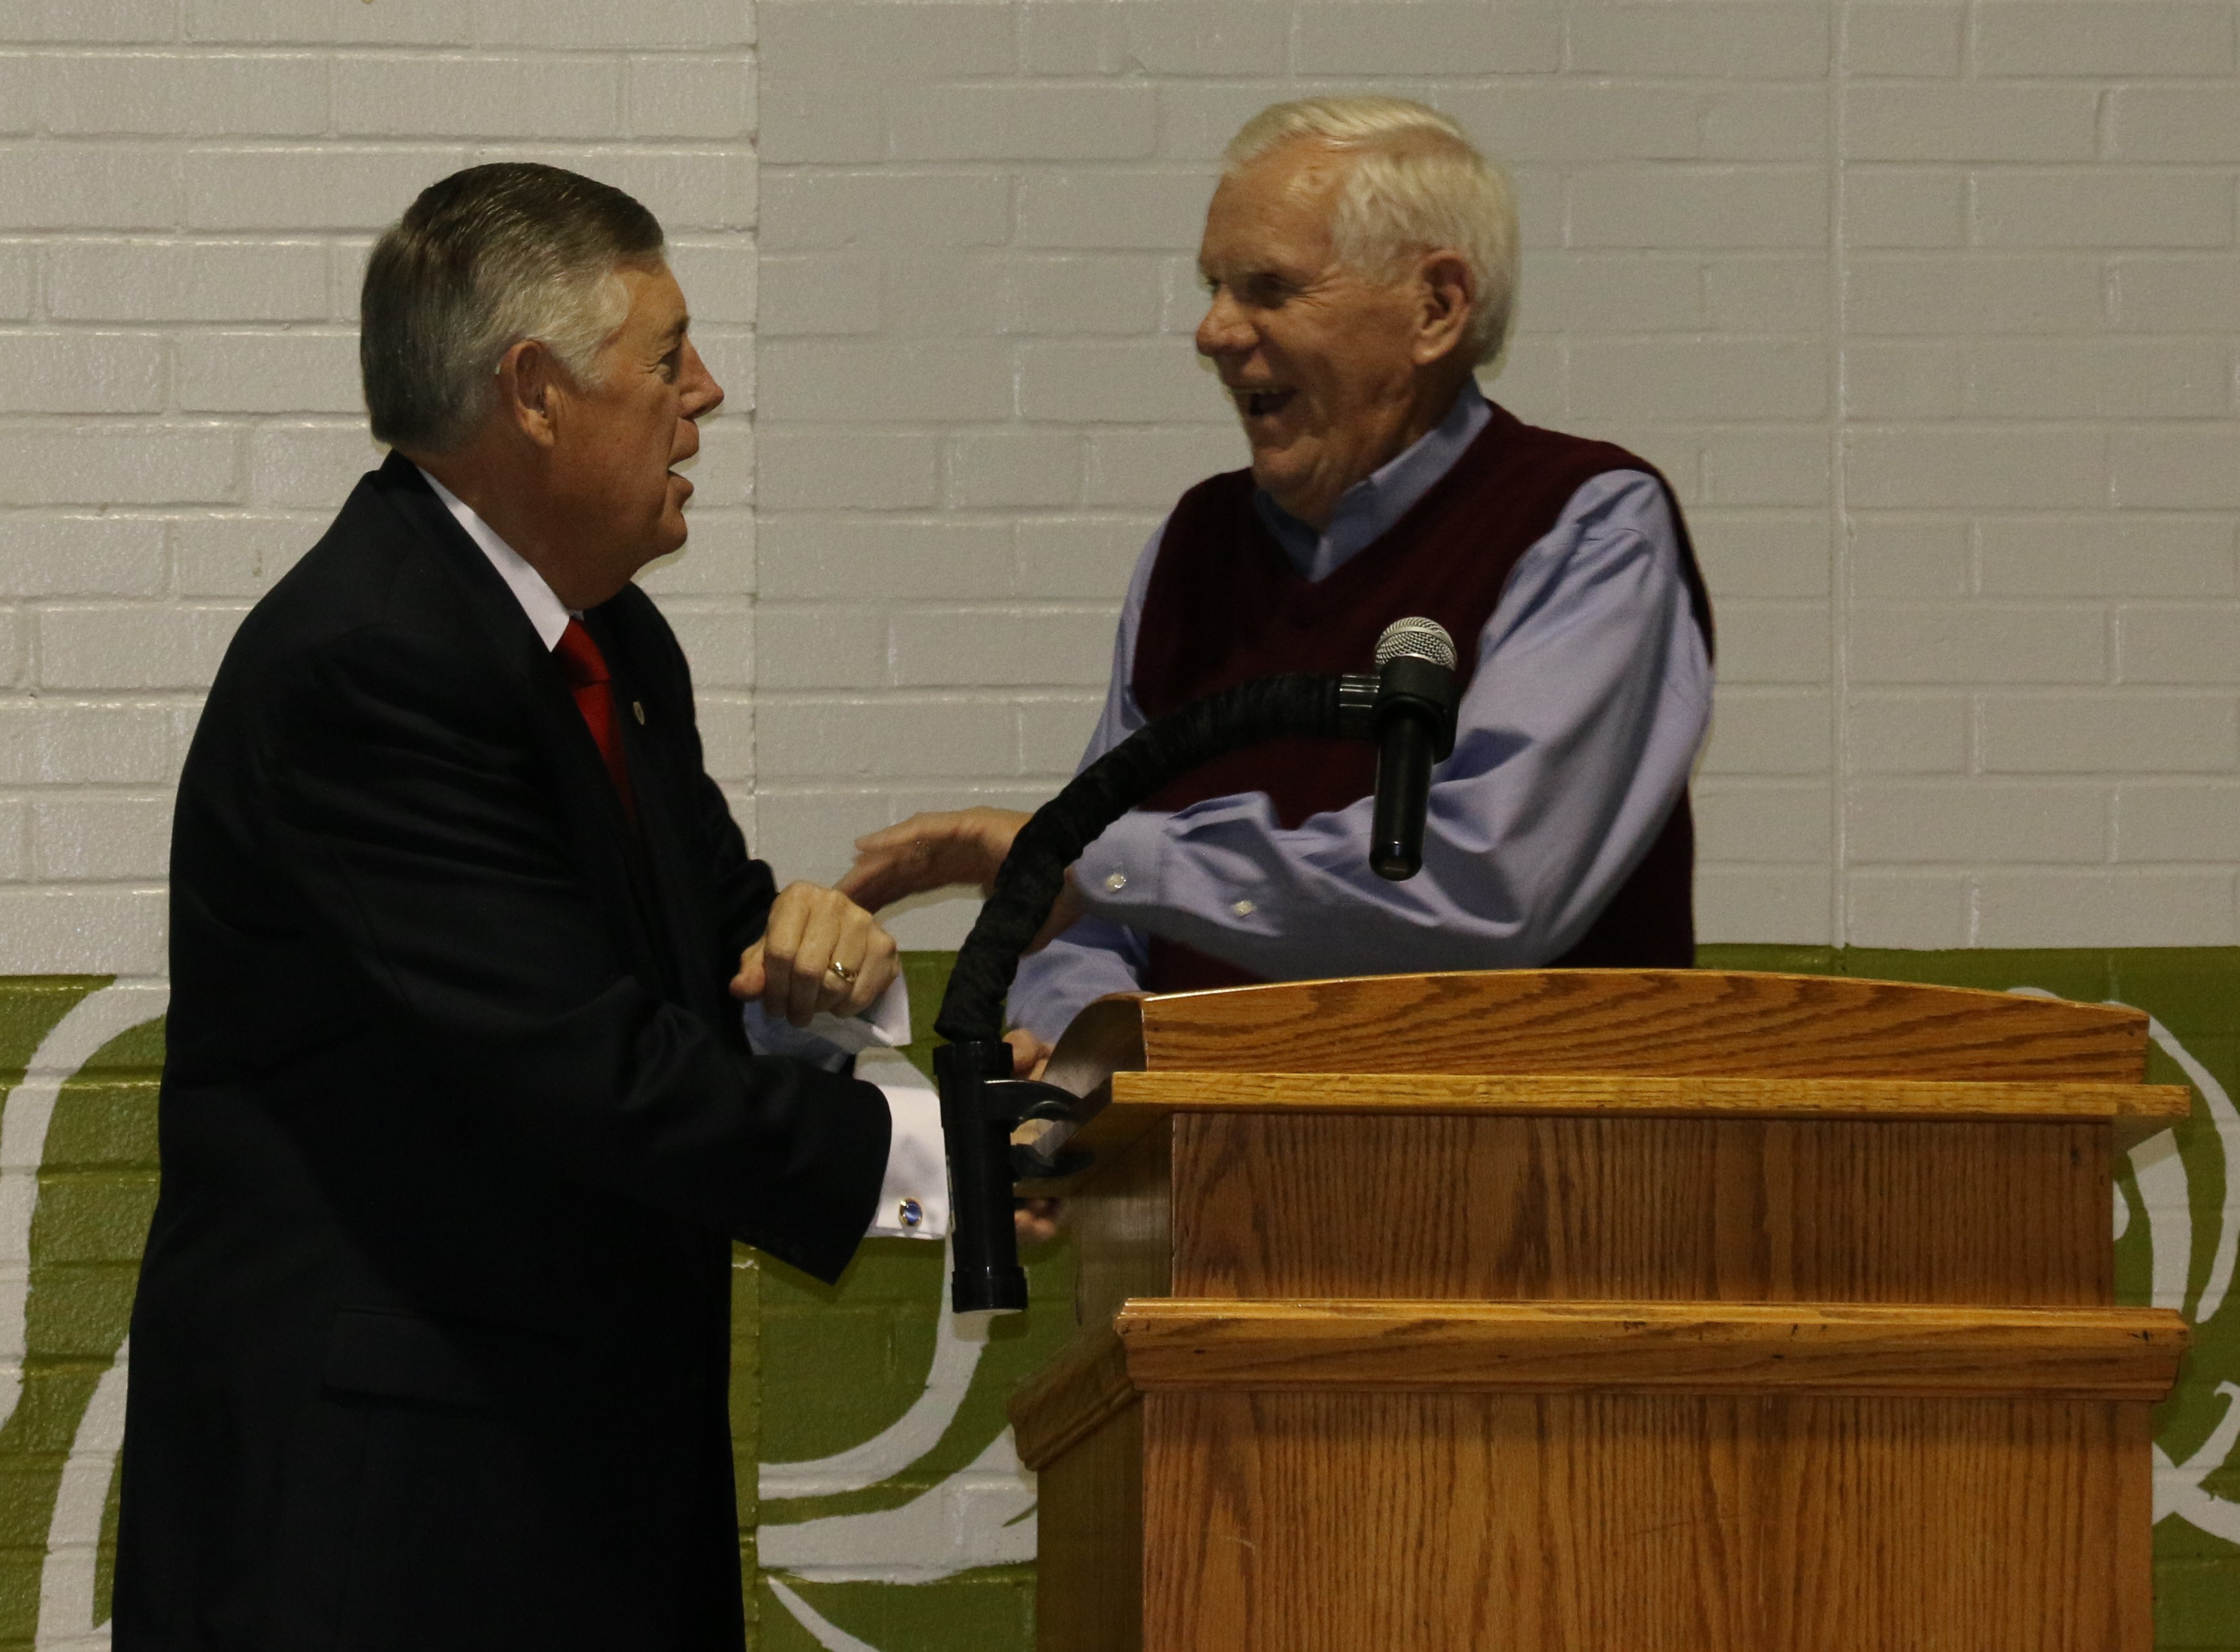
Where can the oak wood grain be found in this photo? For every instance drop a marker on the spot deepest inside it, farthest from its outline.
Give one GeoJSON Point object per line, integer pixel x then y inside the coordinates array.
{"type": "Point", "coordinates": [1697, 1348]}
{"type": "Point", "coordinates": [1449, 1522]}
{"type": "Point", "coordinates": [2132, 1501]}
{"type": "Point", "coordinates": [1522, 1208]}
{"type": "Point", "coordinates": [1136, 1100]}
{"type": "Point", "coordinates": [1669, 1097]}
{"type": "Point", "coordinates": [1083, 1387]}
{"type": "Point", "coordinates": [1089, 1595]}
{"type": "Point", "coordinates": [1105, 1038]}
{"type": "Point", "coordinates": [1124, 1229]}
{"type": "Point", "coordinates": [1503, 1438]}
{"type": "Point", "coordinates": [1670, 1022]}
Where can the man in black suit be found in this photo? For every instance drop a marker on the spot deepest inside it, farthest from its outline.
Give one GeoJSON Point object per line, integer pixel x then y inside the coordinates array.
{"type": "Point", "coordinates": [458, 1121]}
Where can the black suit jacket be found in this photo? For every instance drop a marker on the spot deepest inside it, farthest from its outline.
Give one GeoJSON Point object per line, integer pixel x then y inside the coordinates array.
{"type": "Point", "coordinates": [431, 1343]}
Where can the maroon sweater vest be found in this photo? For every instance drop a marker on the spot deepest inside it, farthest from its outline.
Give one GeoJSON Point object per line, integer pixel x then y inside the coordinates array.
{"type": "Point", "coordinates": [1225, 605]}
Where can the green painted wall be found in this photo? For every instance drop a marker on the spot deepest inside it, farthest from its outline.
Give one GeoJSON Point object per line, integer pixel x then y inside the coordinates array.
{"type": "Point", "coordinates": [891, 1514]}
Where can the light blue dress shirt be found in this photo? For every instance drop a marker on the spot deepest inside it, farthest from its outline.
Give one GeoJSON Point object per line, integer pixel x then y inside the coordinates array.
{"type": "Point", "coordinates": [1589, 701]}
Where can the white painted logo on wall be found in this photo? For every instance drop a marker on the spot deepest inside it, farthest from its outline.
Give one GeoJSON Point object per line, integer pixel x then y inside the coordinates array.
{"type": "Point", "coordinates": [2175, 1231]}
{"type": "Point", "coordinates": [67, 1576]}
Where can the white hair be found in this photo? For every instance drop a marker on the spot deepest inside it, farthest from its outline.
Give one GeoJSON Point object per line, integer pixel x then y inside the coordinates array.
{"type": "Point", "coordinates": [1418, 185]}
{"type": "Point", "coordinates": [481, 259]}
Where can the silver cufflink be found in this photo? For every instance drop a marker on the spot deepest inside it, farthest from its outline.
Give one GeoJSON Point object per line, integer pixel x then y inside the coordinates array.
{"type": "Point", "coordinates": [1243, 909]}
{"type": "Point", "coordinates": [1116, 881]}
{"type": "Point", "coordinates": [911, 1212]}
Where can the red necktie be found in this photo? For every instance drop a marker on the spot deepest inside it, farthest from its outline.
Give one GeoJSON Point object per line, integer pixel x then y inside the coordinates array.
{"type": "Point", "coordinates": [585, 668]}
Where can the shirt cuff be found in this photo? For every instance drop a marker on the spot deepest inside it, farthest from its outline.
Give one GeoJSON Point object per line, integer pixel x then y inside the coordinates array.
{"type": "Point", "coordinates": [828, 1040]}
{"type": "Point", "coordinates": [914, 1195]}
{"type": "Point", "coordinates": [1120, 873]}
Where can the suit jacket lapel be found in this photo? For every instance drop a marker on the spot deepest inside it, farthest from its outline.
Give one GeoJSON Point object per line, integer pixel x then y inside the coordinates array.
{"type": "Point", "coordinates": [668, 854]}
{"type": "Point", "coordinates": [497, 616]}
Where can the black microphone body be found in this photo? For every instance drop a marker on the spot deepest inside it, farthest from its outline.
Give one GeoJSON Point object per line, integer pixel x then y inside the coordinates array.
{"type": "Point", "coordinates": [1417, 698]}
{"type": "Point", "coordinates": [1404, 796]}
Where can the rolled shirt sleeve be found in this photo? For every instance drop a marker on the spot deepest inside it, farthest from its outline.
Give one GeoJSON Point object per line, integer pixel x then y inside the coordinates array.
{"type": "Point", "coordinates": [1589, 704]}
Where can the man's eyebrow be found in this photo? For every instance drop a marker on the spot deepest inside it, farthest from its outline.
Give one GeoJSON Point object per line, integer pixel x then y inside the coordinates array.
{"type": "Point", "coordinates": [675, 330]}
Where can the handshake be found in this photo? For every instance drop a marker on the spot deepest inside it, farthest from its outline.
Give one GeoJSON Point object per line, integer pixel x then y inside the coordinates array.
{"type": "Point", "coordinates": [824, 951]}
{"type": "Point", "coordinates": [801, 965]}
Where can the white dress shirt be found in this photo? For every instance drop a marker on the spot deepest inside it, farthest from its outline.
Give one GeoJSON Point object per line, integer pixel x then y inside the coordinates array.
{"type": "Point", "coordinates": [914, 1194]}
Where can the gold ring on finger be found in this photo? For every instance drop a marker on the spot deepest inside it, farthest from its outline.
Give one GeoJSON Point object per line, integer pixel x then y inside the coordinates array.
{"type": "Point", "coordinates": [847, 976]}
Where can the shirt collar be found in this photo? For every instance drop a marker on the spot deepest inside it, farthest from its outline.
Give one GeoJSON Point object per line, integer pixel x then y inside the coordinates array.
{"type": "Point", "coordinates": [1369, 509]}
{"type": "Point", "coordinates": [538, 600]}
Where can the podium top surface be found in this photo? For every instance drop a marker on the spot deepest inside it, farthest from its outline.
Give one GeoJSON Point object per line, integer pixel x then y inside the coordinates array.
{"type": "Point", "coordinates": [1641, 1022]}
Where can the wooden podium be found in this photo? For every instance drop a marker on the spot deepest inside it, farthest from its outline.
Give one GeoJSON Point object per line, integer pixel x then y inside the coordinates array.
{"type": "Point", "coordinates": [1600, 1311]}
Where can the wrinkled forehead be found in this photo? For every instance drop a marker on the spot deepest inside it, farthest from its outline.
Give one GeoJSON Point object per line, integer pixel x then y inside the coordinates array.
{"type": "Point", "coordinates": [656, 303]}
{"type": "Point", "coordinates": [1280, 203]}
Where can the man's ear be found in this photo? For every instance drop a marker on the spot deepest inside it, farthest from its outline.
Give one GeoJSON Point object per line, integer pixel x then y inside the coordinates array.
{"type": "Point", "coordinates": [1445, 301]}
{"type": "Point", "coordinates": [529, 382]}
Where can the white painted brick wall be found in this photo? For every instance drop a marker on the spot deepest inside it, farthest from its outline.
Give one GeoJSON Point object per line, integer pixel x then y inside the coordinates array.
{"type": "Point", "coordinates": [1928, 310]}
{"type": "Point", "coordinates": [187, 189]}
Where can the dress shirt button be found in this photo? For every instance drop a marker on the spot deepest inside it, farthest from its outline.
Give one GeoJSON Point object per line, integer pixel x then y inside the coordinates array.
{"type": "Point", "coordinates": [1115, 882]}
{"type": "Point", "coordinates": [1243, 909]}
{"type": "Point", "coordinates": [911, 1213]}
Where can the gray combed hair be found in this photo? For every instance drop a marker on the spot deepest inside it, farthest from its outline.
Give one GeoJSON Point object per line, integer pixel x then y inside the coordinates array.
{"type": "Point", "coordinates": [482, 259]}
{"type": "Point", "coordinates": [1418, 183]}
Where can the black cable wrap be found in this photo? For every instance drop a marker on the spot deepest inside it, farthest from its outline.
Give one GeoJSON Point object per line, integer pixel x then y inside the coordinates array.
{"type": "Point", "coordinates": [1297, 705]}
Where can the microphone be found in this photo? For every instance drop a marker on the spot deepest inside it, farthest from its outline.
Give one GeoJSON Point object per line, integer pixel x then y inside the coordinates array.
{"type": "Point", "coordinates": [1415, 722]}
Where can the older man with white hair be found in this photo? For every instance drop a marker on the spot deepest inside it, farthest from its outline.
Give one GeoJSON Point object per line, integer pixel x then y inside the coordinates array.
{"type": "Point", "coordinates": [1361, 258]}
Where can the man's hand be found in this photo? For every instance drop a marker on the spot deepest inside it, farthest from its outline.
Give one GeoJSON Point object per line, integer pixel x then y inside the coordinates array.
{"type": "Point", "coordinates": [1029, 1054]}
{"type": "Point", "coordinates": [1036, 1219]}
{"type": "Point", "coordinates": [931, 851]}
{"type": "Point", "coordinates": [943, 848]}
{"type": "Point", "coordinates": [810, 930]}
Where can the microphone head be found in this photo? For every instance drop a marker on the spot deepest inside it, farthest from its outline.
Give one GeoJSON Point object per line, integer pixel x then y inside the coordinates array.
{"type": "Point", "coordinates": [1416, 639]}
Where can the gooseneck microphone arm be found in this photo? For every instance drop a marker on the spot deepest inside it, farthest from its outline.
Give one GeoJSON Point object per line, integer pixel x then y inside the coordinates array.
{"type": "Point", "coordinates": [981, 1103]}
